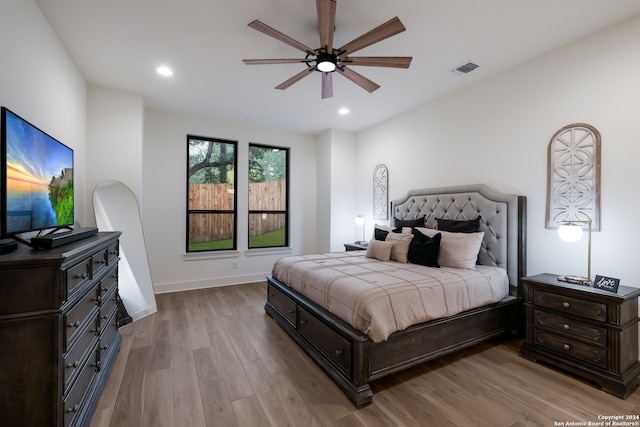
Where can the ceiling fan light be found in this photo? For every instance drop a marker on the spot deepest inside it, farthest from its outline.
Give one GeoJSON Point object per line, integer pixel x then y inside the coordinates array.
{"type": "Point", "coordinates": [326, 66]}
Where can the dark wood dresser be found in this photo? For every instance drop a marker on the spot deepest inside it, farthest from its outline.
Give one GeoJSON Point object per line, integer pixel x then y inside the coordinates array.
{"type": "Point", "coordinates": [58, 333]}
{"type": "Point", "coordinates": [590, 332]}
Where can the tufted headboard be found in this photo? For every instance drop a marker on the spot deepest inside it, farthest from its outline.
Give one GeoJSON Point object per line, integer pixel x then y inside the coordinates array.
{"type": "Point", "coordinates": [503, 221]}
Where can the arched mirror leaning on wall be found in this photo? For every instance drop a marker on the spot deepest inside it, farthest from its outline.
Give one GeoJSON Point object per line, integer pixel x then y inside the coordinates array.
{"type": "Point", "coordinates": [573, 176]}
{"type": "Point", "coordinates": [116, 208]}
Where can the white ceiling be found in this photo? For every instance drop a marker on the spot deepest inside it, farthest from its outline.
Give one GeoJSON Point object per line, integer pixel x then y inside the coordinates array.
{"type": "Point", "coordinates": [119, 44]}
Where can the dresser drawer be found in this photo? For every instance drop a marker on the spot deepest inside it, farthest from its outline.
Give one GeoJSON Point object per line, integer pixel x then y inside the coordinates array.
{"type": "Point", "coordinates": [83, 312]}
{"type": "Point", "coordinates": [576, 349]}
{"type": "Point", "coordinates": [108, 304]}
{"type": "Point", "coordinates": [75, 358]}
{"type": "Point", "coordinates": [99, 261]}
{"type": "Point", "coordinates": [113, 251]}
{"type": "Point", "coordinates": [282, 303]}
{"type": "Point", "coordinates": [571, 328]}
{"type": "Point", "coordinates": [578, 307]}
{"type": "Point", "coordinates": [333, 345]}
{"type": "Point", "coordinates": [107, 339]}
{"type": "Point", "coordinates": [109, 282]}
{"type": "Point", "coordinates": [73, 403]}
{"type": "Point", "coordinates": [77, 276]}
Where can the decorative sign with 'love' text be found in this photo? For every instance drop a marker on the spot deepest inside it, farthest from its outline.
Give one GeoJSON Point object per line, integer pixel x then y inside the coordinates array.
{"type": "Point", "coordinates": [606, 283]}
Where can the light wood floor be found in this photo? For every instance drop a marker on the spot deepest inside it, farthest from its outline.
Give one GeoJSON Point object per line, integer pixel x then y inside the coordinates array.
{"type": "Point", "coordinates": [213, 358]}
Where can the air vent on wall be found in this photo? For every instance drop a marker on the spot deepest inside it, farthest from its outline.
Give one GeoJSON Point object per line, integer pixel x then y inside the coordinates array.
{"type": "Point", "coordinates": [465, 68]}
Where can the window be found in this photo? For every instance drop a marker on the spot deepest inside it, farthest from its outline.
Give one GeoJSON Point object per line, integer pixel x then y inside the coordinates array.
{"type": "Point", "coordinates": [268, 196]}
{"type": "Point", "coordinates": [211, 194]}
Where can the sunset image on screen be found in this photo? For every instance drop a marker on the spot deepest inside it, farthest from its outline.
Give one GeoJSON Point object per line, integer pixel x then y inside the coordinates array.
{"type": "Point", "coordinates": [39, 178]}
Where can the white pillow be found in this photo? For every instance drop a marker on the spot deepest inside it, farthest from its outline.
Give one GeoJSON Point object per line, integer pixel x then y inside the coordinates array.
{"type": "Point", "coordinates": [379, 250]}
{"type": "Point", "coordinates": [400, 250]}
{"type": "Point", "coordinates": [458, 250]}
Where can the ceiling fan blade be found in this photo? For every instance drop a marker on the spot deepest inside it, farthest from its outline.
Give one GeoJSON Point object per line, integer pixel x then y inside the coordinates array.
{"type": "Point", "coordinates": [302, 74]}
{"type": "Point", "coordinates": [327, 85]}
{"type": "Point", "coordinates": [326, 22]}
{"type": "Point", "coordinates": [381, 32]}
{"type": "Point", "coordinates": [358, 79]}
{"type": "Point", "coordinates": [379, 61]}
{"type": "Point", "coordinates": [276, 61]}
{"type": "Point", "coordinates": [272, 32]}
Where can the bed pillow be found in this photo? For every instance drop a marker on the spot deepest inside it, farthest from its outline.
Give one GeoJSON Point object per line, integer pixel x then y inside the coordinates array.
{"type": "Point", "coordinates": [400, 250]}
{"type": "Point", "coordinates": [380, 231]}
{"type": "Point", "coordinates": [424, 250]}
{"type": "Point", "coordinates": [458, 250]}
{"type": "Point", "coordinates": [459, 226]}
{"type": "Point", "coordinates": [379, 250]}
{"type": "Point", "coordinates": [418, 222]}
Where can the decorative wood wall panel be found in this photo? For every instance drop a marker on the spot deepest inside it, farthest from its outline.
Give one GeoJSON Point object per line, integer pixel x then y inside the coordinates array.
{"type": "Point", "coordinates": [573, 180]}
{"type": "Point", "coordinates": [380, 192]}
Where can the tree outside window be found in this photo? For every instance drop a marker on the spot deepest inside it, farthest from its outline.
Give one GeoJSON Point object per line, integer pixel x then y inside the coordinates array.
{"type": "Point", "coordinates": [211, 194]}
{"type": "Point", "coordinates": [268, 196]}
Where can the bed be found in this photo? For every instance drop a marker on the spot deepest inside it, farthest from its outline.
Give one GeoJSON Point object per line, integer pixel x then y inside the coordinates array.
{"type": "Point", "coordinates": [354, 354]}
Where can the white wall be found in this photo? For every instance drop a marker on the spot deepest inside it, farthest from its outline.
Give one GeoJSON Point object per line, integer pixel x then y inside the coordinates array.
{"type": "Point", "coordinates": [40, 82]}
{"type": "Point", "coordinates": [164, 200]}
{"type": "Point", "coordinates": [497, 131]}
{"type": "Point", "coordinates": [115, 121]}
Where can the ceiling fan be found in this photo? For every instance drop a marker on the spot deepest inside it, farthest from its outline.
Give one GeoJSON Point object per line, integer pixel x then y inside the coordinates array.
{"type": "Point", "coordinates": [327, 59]}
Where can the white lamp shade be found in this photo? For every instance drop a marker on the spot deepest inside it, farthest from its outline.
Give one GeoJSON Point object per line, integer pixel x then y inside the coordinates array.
{"type": "Point", "coordinates": [360, 220]}
{"type": "Point", "coordinates": [570, 232]}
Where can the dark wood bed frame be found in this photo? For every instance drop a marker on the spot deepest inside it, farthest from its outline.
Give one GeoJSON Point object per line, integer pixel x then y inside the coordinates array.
{"type": "Point", "coordinates": [352, 359]}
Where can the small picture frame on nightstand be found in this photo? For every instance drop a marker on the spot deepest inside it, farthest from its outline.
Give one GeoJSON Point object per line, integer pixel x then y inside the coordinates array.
{"type": "Point", "coordinates": [606, 283]}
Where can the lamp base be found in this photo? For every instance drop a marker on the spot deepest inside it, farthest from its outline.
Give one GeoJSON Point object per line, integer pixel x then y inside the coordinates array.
{"type": "Point", "coordinates": [578, 280]}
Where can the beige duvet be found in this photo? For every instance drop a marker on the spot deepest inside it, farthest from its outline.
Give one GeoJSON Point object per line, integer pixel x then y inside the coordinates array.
{"type": "Point", "coordinates": [380, 298]}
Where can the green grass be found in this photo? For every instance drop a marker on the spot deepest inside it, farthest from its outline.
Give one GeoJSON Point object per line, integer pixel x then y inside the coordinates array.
{"type": "Point", "coordinates": [274, 238]}
{"type": "Point", "coordinates": [267, 240]}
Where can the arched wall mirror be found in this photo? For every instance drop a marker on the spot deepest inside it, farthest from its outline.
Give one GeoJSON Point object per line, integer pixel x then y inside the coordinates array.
{"type": "Point", "coordinates": [116, 209]}
{"type": "Point", "coordinates": [573, 181]}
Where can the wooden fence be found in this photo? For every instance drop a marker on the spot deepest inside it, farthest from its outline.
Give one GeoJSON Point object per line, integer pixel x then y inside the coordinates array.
{"type": "Point", "coordinates": [263, 196]}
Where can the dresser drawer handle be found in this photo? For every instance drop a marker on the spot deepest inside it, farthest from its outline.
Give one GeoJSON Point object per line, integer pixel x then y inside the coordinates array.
{"type": "Point", "coordinates": [73, 365]}
{"type": "Point", "coordinates": [102, 261]}
{"type": "Point", "coordinates": [566, 304]}
{"type": "Point", "coordinates": [566, 347]}
{"type": "Point", "coordinates": [566, 327]}
{"type": "Point", "coordinates": [303, 322]}
{"type": "Point", "coordinates": [74, 325]}
{"type": "Point", "coordinates": [74, 409]}
{"type": "Point", "coordinates": [291, 311]}
{"type": "Point", "coordinates": [271, 295]}
{"type": "Point", "coordinates": [81, 276]}
{"type": "Point", "coordinates": [338, 352]}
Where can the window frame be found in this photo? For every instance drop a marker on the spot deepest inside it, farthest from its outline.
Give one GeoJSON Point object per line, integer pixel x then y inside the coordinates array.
{"type": "Point", "coordinates": [286, 213]}
{"type": "Point", "coordinates": [233, 211]}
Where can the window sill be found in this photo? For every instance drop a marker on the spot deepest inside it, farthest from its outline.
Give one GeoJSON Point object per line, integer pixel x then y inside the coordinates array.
{"type": "Point", "coordinates": [197, 256]}
{"type": "Point", "coordinates": [268, 251]}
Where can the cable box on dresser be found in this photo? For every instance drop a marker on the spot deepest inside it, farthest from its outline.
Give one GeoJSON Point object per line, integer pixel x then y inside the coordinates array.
{"type": "Point", "coordinates": [58, 333]}
{"type": "Point", "coordinates": [587, 331]}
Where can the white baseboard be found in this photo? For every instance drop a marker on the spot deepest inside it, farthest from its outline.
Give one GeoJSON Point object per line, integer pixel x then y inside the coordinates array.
{"type": "Point", "coordinates": [163, 288]}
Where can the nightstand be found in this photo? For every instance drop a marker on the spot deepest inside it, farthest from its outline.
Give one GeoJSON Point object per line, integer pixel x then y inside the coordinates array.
{"type": "Point", "coordinates": [586, 331]}
{"type": "Point", "coordinates": [356, 246]}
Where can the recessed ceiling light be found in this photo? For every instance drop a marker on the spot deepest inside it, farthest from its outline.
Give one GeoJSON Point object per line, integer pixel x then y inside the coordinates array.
{"type": "Point", "coordinates": [343, 111]}
{"type": "Point", "coordinates": [164, 71]}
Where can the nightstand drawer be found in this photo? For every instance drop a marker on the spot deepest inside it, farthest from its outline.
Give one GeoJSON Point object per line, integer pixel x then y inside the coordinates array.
{"type": "Point", "coordinates": [571, 328]}
{"type": "Point", "coordinates": [575, 306]}
{"type": "Point", "coordinates": [576, 349]}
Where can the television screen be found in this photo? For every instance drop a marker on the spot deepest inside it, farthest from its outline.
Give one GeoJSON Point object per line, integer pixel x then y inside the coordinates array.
{"type": "Point", "coordinates": [37, 178]}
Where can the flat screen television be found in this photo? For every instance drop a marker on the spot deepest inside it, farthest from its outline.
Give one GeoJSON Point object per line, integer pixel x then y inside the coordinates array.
{"type": "Point", "coordinates": [37, 179]}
